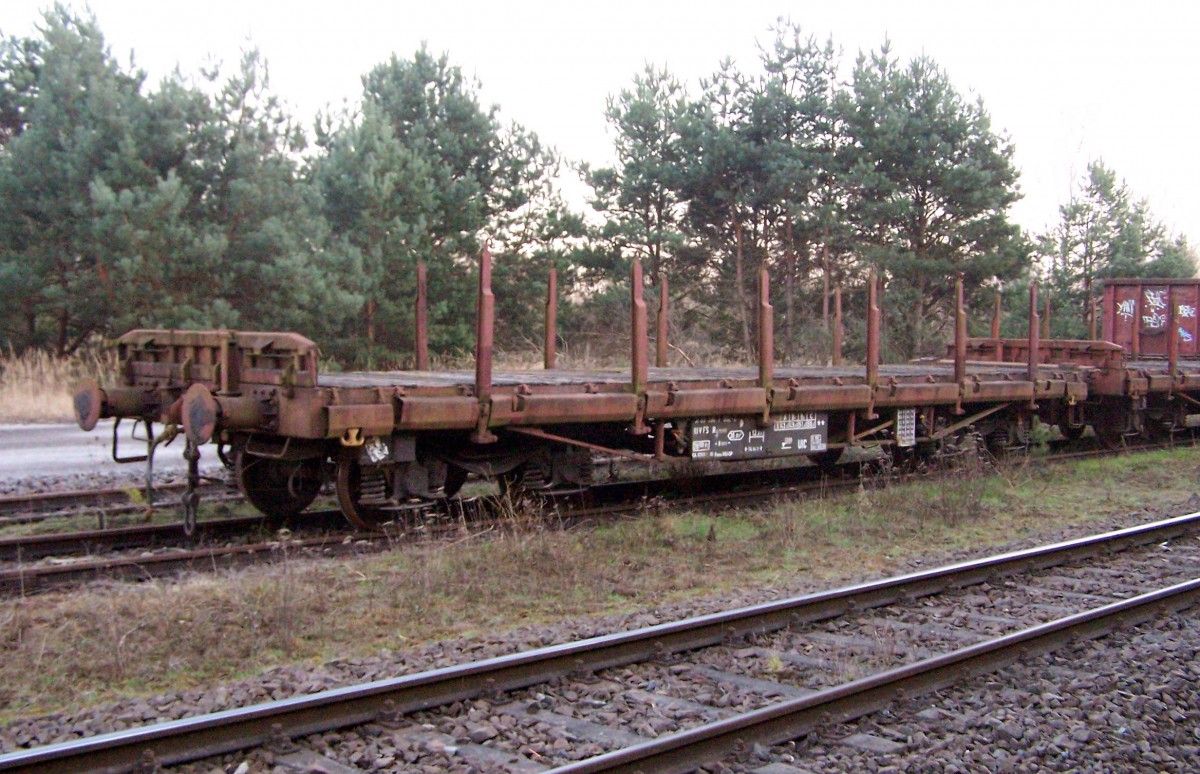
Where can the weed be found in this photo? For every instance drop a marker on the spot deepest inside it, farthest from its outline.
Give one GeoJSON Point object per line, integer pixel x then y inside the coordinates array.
{"type": "Point", "coordinates": [1040, 436]}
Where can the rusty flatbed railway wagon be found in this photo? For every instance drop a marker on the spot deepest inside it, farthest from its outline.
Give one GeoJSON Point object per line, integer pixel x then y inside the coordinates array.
{"type": "Point", "coordinates": [394, 439]}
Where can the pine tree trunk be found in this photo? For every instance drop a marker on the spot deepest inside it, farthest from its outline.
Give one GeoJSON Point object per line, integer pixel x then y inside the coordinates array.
{"type": "Point", "coordinates": [789, 290]}
{"type": "Point", "coordinates": [825, 281]}
{"type": "Point", "coordinates": [1090, 310]}
{"type": "Point", "coordinates": [741, 291]}
{"type": "Point", "coordinates": [917, 345]}
{"type": "Point", "coordinates": [63, 323]}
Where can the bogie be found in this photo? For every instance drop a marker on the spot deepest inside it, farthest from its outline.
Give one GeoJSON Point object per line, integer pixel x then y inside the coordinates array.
{"type": "Point", "coordinates": [279, 488]}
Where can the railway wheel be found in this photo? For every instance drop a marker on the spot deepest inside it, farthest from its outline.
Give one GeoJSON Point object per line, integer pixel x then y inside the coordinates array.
{"type": "Point", "coordinates": [455, 478]}
{"type": "Point", "coordinates": [362, 493]}
{"type": "Point", "coordinates": [1111, 422]}
{"type": "Point", "coordinates": [370, 496]}
{"type": "Point", "coordinates": [278, 488]}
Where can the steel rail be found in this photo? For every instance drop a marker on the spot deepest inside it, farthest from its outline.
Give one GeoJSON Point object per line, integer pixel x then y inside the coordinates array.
{"type": "Point", "coordinates": [111, 498]}
{"type": "Point", "coordinates": [794, 477]}
{"type": "Point", "coordinates": [614, 499]}
{"type": "Point", "coordinates": [32, 579]}
{"type": "Point", "coordinates": [230, 730]}
{"type": "Point", "coordinates": [83, 542]}
{"type": "Point", "coordinates": [29, 547]}
{"type": "Point", "coordinates": [790, 719]}
{"type": "Point", "coordinates": [39, 578]}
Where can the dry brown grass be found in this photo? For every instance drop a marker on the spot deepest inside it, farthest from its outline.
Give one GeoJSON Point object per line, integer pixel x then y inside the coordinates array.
{"type": "Point", "coordinates": [81, 648]}
{"type": "Point", "coordinates": [36, 386]}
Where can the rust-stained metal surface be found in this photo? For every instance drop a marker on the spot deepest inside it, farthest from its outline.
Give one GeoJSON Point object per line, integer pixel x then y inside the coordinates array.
{"type": "Point", "coordinates": [1141, 314]}
{"type": "Point", "coordinates": [550, 344]}
{"type": "Point", "coordinates": [1033, 350]}
{"type": "Point", "coordinates": [421, 318]}
{"type": "Point", "coordinates": [960, 333]}
{"type": "Point", "coordinates": [639, 357]}
{"type": "Point", "coordinates": [379, 402]}
{"type": "Point", "coordinates": [766, 330]}
{"type": "Point", "coordinates": [874, 322]}
{"type": "Point", "coordinates": [306, 405]}
{"type": "Point", "coordinates": [485, 332]}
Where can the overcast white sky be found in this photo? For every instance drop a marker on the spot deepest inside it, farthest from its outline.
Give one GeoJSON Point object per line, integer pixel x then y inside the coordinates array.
{"type": "Point", "coordinates": [1068, 82]}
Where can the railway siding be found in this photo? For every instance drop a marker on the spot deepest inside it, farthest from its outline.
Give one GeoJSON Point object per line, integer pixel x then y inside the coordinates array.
{"type": "Point", "coordinates": [398, 437]}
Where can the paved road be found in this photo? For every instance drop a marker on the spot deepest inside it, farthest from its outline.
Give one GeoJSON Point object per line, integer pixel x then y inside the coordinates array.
{"type": "Point", "coordinates": [46, 451]}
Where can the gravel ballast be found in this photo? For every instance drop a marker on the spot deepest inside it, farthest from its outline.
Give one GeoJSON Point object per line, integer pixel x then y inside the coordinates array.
{"type": "Point", "coordinates": [1135, 704]}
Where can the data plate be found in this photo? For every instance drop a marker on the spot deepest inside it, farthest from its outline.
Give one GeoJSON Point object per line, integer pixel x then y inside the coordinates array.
{"type": "Point", "coordinates": [906, 427]}
{"type": "Point", "coordinates": [742, 438]}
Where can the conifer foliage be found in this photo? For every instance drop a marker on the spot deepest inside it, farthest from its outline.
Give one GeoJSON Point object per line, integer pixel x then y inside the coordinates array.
{"type": "Point", "coordinates": [201, 202]}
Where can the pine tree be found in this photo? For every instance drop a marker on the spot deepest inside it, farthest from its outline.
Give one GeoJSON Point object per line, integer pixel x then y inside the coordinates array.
{"type": "Point", "coordinates": [70, 122]}
{"type": "Point", "coordinates": [929, 185]}
{"type": "Point", "coordinates": [423, 173]}
{"type": "Point", "coordinates": [1104, 232]}
{"type": "Point", "coordinates": [641, 196]}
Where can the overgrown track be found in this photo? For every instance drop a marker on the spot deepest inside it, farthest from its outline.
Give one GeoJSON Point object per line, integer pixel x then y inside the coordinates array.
{"type": "Point", "coordinates": [907, 635]}
{"type": "Point", "coordinates": [78, 556]}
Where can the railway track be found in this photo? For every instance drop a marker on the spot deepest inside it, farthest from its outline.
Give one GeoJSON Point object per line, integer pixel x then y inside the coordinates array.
{"type": "Point", "coordinates": [28, 507]}
{"type": "Point", "coordinates": [690, 693]}
{"type": "Point", "coordinates": [32, 507]}
{"type": "Point", "coordinates": [34, 563]}
{"type": "Point", "coordinates": [37, 563]}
